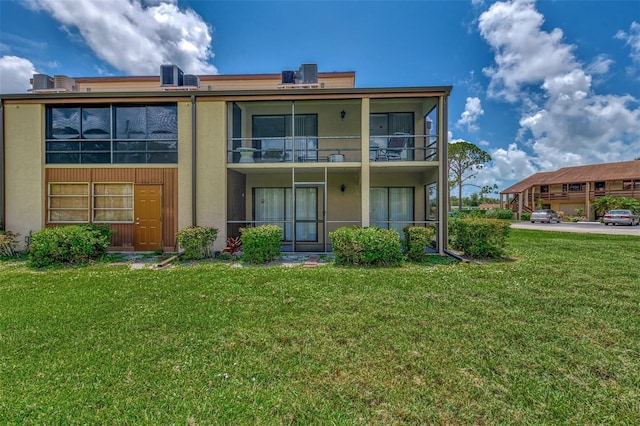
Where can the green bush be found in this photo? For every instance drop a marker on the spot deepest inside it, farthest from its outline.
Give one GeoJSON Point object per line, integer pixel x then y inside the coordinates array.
{"type": "Point", "coordinates": [525, 216]}
{"type": "Point", "coordinates": [8, 244]}
{"type": "Point", "coordinates": [479, 238]}
{"type": "Point", "coordinates": [366, 246]}
{"type": "Point", "coordinates": [262, 243]}
{"type": "Point", "coordinates": [69, 244]}
{"type": "Point", "coordinates": [505, 214]}
{"type": "Point", "coordinates": [197, 241]}
{"type": "Point", "coordinates": [416, 240]}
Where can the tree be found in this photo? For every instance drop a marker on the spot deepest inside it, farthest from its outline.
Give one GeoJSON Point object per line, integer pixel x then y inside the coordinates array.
{"type": "Point", "coordinates": [604, 204]}
{"type": "Point", "coordinates": [465, 161]}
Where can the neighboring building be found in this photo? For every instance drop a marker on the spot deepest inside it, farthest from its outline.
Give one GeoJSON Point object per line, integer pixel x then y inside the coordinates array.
{"type": "Point", "coordinates": [150, 155]}
{"type": "Point", "coordinates": [570, 188]}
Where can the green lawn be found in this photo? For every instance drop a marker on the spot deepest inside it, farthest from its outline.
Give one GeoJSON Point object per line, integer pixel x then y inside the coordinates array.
{"type": "Point", "coordinates": [552, 336]}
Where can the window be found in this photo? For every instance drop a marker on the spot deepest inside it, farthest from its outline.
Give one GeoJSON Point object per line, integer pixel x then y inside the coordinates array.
{"type": "Point", "coordinates": [599, 186]}
{"type": "Point", "coordinates": [113, 202]}
{"type": "Point", "coordinates": [573, 187]}
{"type": "Point", "coordinates": [272, 137]}
{"type": "Point", "coordinates": [68, 202]}
{"type": "Point", "coordinates": [544, 189]}
{"type": "Point", "coordinates": [275, 206]}
{"type": "Point", "coordinates": [628, 185]}
{"type": "Point", "coordinates": [383, 126]}
{"type": "Point", "coordinates": [391, 208]}
{"type": "Point", "coordinates": [112, 134]}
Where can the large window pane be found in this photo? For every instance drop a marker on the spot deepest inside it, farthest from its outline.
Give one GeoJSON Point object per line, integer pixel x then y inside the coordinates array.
{"type": "Point", "coordinates": [269, 207]}
{"type": "Point", "coordinates": [162, 122]}
{"type": "Point", "coordinates": [378, 211]}
{"type": "Point", "coordinates": [96, 123]}
{"type": "Point", "coordinates": [400, 208]}
{"type": "Point", "coordinates": [131, 122]}
{"type": "Point", "coordinates": [391, 208]}
{"type": "Point", "coordinates": [64, 123]}
{"type": "Point", "coordinates": [272, 136]}
{"type": "Point", "coordinates": [153, 127]}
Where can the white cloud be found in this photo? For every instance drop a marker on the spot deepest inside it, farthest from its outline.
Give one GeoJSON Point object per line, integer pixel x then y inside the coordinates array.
{"type": "Point", "coordinates": [472, 112]}
{"type": "Point", "coordinates": [564, 123]}
{"type": "Point", "coordinates": [15, 73]}
{"type": "Point", "coordinates": [524, 54]}
{"type": "Point", "coordinates": [134, 37]}
{"type": "Point", "coordinates": [632, 39]}
{"type": "Point", "coordinates": [600, 65]}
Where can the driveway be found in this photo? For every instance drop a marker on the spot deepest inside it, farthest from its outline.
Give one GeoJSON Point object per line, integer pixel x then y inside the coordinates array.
{"type": "Point", "coordinates": [585, 227]}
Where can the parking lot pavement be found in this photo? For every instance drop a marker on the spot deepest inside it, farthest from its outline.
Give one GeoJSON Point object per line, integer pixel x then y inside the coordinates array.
{"type": "Point", "coordinates": [585, 227]}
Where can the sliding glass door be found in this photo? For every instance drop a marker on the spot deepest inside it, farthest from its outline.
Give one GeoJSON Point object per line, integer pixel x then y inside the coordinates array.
{"type": "Point", "coordinates": [275, 206]}
{"type": "Point", "coordinates": [391, 208]}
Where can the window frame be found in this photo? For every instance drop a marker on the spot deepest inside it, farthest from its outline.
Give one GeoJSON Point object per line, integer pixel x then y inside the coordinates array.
{"type": "Point", "coordinates": [95, 196]}
{"type": "Point", "coordinates": [51, 197]}
{"type": "Point", "coordinates": [83, 148]}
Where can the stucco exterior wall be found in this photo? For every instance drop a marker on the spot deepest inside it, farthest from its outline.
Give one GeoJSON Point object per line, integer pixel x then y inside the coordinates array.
{"type": "Point", "coordinates": [211, 189]}
{"type": "Point", "coordinates": [24, 171]}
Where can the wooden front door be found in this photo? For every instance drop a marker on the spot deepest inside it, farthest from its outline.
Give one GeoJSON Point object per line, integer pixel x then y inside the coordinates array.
{"type": "Point", "coordinates": [148, 215]}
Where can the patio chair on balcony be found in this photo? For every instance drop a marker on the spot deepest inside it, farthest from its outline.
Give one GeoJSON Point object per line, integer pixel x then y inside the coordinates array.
{"type": "Point", "coordinates": [397, 148]}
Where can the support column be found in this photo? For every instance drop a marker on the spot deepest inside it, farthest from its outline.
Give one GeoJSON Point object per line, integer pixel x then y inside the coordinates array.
{"type": "Point", "coordinates": [443, 178]}
{"type": "Point", "coordinates": [365, 173]}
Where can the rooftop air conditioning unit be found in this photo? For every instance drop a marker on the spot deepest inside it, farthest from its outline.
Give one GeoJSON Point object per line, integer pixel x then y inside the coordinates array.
{"type": "Point", "coordinates": [171, 75]}
{"type": "Point", "coordinates": [42, 82]}
{"type": "Point", "coordinates": [62, 82]}
{"type": "Point", "coordinates": [191, 80]}
{"type": "Point", "coordinates": [288, 77]}
{"type": "Point", "coordinates": [308, 73]}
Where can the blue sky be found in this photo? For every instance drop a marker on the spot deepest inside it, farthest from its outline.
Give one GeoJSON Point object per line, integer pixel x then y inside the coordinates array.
{"type": "Point", "coordinates": [539, 85]}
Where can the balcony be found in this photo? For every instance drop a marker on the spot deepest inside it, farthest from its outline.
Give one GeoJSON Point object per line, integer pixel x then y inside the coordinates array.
{"type": "Point", "coordinates": [332, 149]}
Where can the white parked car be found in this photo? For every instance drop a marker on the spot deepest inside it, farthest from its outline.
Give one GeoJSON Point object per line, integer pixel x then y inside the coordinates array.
{"type": "Point", "coordinates": [545, 215]}
{"type": "Point", "coordinates": [620, 217]}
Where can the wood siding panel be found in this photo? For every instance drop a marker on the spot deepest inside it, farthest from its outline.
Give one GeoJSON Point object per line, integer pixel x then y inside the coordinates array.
{"type": "Point", "coordinates": [125, 233]}
{"type": "Point", "coordinates": [113, 175]}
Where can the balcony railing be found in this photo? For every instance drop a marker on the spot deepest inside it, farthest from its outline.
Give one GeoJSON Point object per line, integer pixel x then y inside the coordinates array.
{"type": "Point", "coordinates": [304, 149]}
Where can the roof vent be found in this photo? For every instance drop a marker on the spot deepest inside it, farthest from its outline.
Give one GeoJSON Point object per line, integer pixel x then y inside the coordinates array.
{"type": "Point", "coordinates": [171, 75]}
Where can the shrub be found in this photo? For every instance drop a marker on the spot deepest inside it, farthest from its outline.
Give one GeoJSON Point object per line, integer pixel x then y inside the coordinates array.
{"type": "Point", "coordinates": [416, 240]}
{"type": "Point", "coordinates": [8, 244]}
{"type": "Point", "coordinates": [366, 246]}
{"type": "Point", "coordinates": [197, 241]}
{"type": "Point", "coordinates": [69, 244]}
{"type": "Point", "coordinates": [479, 238]}
{"type": "Point", "coordinates": [505, 214]}
{"type": "Point", "coordinates": [525, 216]}
{"type": "Point", "coordinates": [262, 243]}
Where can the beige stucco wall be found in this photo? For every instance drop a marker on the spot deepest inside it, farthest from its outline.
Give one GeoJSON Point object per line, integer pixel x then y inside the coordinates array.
{"type": "Point", "coordinates": [211, 185]}
{"type": "Point", "coordinates": [184, 165]}
{"type": "Point", "coordinates": [24, 172]}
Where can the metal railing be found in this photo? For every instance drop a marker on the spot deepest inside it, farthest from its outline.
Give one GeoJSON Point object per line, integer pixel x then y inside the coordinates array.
{"type": "Point", "coordinates": [305, 149]}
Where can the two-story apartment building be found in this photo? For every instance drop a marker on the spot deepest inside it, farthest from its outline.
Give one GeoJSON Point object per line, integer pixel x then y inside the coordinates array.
{"type": "Point", "coordinates": [570, 188]}
{"type": "Point", "coordinates": [149, 155]}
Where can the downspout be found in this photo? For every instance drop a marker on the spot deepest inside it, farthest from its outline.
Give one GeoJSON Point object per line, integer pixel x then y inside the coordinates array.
{"type": "Point", "coordinates": [2, 218]}
{"type": "Point", "coordinates": [194, 174]}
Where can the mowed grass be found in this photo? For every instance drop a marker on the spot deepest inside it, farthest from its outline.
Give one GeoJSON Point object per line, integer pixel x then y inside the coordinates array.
{"type": "Point", "coordinates": [551, 336]}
